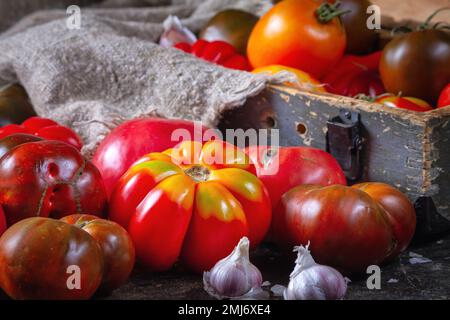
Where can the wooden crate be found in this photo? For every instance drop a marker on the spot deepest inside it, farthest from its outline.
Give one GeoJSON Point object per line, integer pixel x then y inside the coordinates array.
{"type": "Point", "coordinates": [406, 149]}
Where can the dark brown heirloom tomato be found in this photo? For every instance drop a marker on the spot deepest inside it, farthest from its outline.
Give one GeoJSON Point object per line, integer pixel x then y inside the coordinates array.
{"type": "Point", "coordinates": [233, 26]}
{"type": "Point", "coordinates": [400, 210]}
{"type": "Point", "coordinates": [360, 39]}
{"type": "Point", "coordinates": [49, 179]}
{"type": "Point", "coordinates": [417, 64]}
{"type": "Point", "coordinates": [15, 106]}
{"type": "Point", "coordinates": [8, 143]}
{"type": "Point", "coordinates": [35, 255]}
{"type": "Point", "coordinates": [116, 244]}
{"type": "Point", "coordinates": [348, 228]}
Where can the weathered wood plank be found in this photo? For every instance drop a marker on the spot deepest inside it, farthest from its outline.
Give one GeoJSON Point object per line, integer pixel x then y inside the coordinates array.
{"type": "Point", "coordinates": [406, 149]}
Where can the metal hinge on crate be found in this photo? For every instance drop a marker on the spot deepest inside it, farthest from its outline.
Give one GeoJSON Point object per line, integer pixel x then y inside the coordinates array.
{"type": "Point", "coordinates": [345, 142]}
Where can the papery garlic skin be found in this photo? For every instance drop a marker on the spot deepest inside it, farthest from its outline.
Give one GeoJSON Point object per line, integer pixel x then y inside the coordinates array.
{"type": "Point", "coordinates": [234, 276]}
{"type": "Point", "coordinates": [175, 32]}
{"type": "Point", "coordinates": [312, 281]}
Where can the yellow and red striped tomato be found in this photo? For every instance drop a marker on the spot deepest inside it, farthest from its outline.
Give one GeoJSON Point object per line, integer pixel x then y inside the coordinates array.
{"type": "Point", "coordinates": [191, 203]}
{"type": "Point", "coordinates": [409, 103]}
{"type": "Point", "coordinates": [304, 80]}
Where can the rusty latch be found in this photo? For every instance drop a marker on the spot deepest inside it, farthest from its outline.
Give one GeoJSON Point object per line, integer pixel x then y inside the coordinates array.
{"type": "Point", "coordinates": [345, 142]}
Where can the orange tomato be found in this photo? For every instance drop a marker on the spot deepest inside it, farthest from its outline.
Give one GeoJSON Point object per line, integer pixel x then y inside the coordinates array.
{"type": "Point", "coordinates": [304, 80]}
{"type": "Point", "coordinates": [295, 34]}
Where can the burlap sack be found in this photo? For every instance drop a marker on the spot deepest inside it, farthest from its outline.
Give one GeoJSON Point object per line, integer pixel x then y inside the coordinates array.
{"type": "Point", "coordinates": [110, 70]}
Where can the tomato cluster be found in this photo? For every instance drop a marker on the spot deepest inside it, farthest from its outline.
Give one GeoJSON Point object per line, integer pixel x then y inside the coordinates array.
{"type": "Point", "coordinates": [190, 203]}
{"type": "Point", "coordinates": [172, 199]}
{"type": "Point", "coordinates": [72, 258]}
{"type": "Point", "coordinates": [328, 46]}
{"type": "Point", "coordinates": [44, 128]}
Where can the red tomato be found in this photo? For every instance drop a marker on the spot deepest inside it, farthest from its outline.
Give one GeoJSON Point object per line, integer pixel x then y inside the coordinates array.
{"type": "Point", "coordinates": [33, 124]}
{"type": "Point", "coordinates": [48, 179]}
{"type": "Point", "coordinates": [355, 75]}
{"type": "Point", "coordinates": [293, 34]}
{"type": "Point", "coordinates": [218, 52]}
{"type": "Point", "coordinates": [444, 98]}
{"type": "Point", "coordinates": [37, 256]}
{"type": "Point", "coordinates": [192, 203]}
{"type": "Point", "coordinates": [2, 221]}
{"type": "Point", "coordinates": [289, 167]}
{"type": "Point", "coordinates": [349, 228]}
{"type": "Point", "coordinates": [408, 103]}
{"type": "Point", "coordinates": [13, 140]}
{"type": "Point", "coordinates": [117, 248]}
{"type": "Point", "coordinates": [132, 140]}
{"type": "Point", "coordinates": [44, 128]}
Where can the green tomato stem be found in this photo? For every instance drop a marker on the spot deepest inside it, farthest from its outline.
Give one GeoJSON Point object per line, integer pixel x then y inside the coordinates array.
{"type": "Point", "coordinates": [327, 12]}
{"type": "Point", "coordinates": [426, 23]}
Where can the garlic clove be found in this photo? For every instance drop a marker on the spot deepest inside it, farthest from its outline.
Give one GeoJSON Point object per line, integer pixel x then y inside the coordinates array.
{"type": "Point", "coordinates": [235, 276]}
{"type": "Point", "coordinates": [313, 281]}
{"type": "Point", "coordinates": [175, 32]}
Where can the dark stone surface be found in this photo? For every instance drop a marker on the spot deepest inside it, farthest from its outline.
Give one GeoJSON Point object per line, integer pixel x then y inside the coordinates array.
{"type": "Point", "coordinates": [415, 281]}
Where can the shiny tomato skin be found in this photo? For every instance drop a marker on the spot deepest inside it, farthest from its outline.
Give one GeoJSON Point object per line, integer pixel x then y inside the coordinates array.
{"type": "Point", "coordinates": [444, 97]}
{"type": "Point", "coordinates": [2, 221]}
{"type": "Point", "coordinates": [290, 34]}
{"type": "Point", "coordinates": [14, 140]}
{"type": "Point", "coordinates": [33, 124]}
{"type": "Point", "coordinates": [360, 39]}
{"type": "Point", "coordinates": [41, 271]}
{"type": "Point", "coordinates": [417, 64]}
{"type": "Point", "coordinates": [304, 80]}
{"type": "Point", "coordinates": [399, 209]}
{"type": "Point", "coordinates": [60, 133]}
{"type": "Point", "coordinates": [408, 103]}
{"type": "Point", "coordinates": [44, 128]}
{"type": "Point", "coordinates": [49, 179]}
{"type": "Point", "coordinates": [117, 248]}
{"type": "Point", "coordinates": [367, 83]}
{"type": "Point", "coordinates": [218, 52]}
{"type": "Point", "coordinates": [132, 140]}
{"type": "Point", "coordinates": [160, 222]}
{"type": "Point", "coordinates": [354, 75]}
{"type": "Point", "coordinates": [346, 228]}
{"type": "Point", "coordinates": [230, 25]}
{"type": "Point", "coordinates": [289, 167]}
{"type": "Point", "coordinates": [11, 129]}
{"type": "Point", "coordinates": [189, 204]}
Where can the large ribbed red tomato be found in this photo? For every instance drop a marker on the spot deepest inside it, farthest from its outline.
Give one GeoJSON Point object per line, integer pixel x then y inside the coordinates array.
{"type": "Point", "coordinates": [134, 139]}
{"type": "Point", "coordinates": [192, 203]}
{"type": "Point", "coordinates": [348, 228]}
{"type": "Point", "coordinates": [302, 34]}
{"type": "Point", "coordinates": [281, 169]}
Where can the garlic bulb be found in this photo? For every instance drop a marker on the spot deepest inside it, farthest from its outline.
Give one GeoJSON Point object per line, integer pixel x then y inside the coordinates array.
{"type": "Point", "coordinates": [175, 32]}
{"type": "Point", "coordinates": [312, 281]}
{"type": "Point", "coordinates": [235, 276]}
